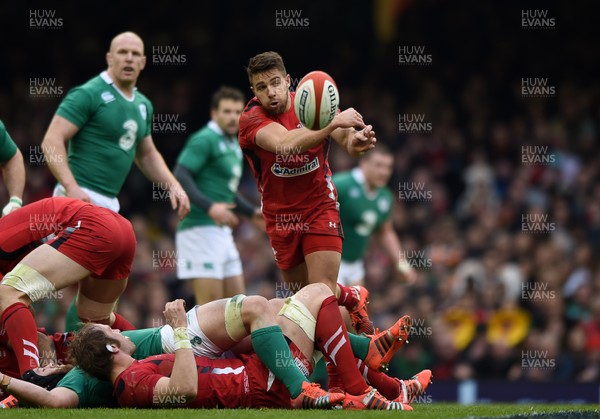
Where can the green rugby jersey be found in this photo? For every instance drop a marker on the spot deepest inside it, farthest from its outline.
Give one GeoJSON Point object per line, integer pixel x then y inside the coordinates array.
{"type": "Point", "coordinates": [215, 161]}
{"type": "Point", "coordinates": [95, 393]}
{"type": "Point", "coordinates": [8, 148]}
{"type": "Point", "coordinates": [361, 212]}
{"type": "Point", "coordinates": [110, 128]}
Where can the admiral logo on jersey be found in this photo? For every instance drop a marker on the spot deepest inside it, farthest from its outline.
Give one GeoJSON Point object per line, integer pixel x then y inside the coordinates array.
{"type": "Point", "coordinates": [283, 171]}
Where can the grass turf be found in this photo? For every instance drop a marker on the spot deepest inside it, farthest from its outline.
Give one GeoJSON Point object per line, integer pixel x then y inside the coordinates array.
{"type": "Point", "coordinates": [426, 411]}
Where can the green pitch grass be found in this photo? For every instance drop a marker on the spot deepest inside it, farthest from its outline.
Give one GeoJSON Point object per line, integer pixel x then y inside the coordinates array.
{"type": "Point", "coordinates": [434, 411]}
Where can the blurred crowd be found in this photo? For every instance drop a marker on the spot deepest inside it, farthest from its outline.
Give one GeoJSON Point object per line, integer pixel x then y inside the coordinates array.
{"type": "Point", "coordinates": [505, 237]}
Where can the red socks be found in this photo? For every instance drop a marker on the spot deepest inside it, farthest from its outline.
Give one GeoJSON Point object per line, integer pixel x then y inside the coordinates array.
{"type": "Point", "coordinates": [386, 385]}
{"type": "Point", "coordinates": [331, 338]}
{"type": "Point", "coordinates": [122, 323]}
{"type": "Point", "coordinates": [20, 327]}
{"type": "Point", "coordinates": [347, 298]}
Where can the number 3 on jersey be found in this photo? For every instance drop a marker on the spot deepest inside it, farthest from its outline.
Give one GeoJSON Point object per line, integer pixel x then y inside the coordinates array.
{"type": "Point", "coordinates": [369, 219]}
{"type": "Point", "coordinates": [127, 140]}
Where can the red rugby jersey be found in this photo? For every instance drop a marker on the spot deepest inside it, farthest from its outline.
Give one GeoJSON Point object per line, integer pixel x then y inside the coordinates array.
{"type": "Point", "coordinates": [294, 183]}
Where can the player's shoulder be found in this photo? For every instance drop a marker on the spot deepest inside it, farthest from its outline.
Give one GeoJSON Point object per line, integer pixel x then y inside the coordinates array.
{"type": "Point", "coordinates": [342, 178]}
{"type": "Point", "coordinates": [143, 98]}
{"type": "Point", "coordinates": [253, 110]}
{"type": "Point", "coordinates": [202, 136]}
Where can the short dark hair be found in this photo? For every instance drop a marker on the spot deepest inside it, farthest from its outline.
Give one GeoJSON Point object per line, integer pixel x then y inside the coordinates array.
{"type": "Point", "coordinates": [226, 92]}
{"type": "Point", "coordinates": [264, 62]}
{"type": "Point", "coordinates": [89, 351]}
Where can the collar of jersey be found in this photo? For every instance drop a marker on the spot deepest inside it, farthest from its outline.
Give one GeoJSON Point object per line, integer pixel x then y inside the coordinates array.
{"type": "Point", "coordinates": [216, 128]}
{"type": "Point", "coordinates": [359, 177]}
{"type": "Point", "coordinates": [104, 75]}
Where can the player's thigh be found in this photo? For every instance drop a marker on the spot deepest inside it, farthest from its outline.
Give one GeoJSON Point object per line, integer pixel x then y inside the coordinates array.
{"type": "Point", "coordinates": [102, 290]}
{"type": "Point", "coordinates": [296, 322]}
{"type": "Point", "coordinates": [207, 289]}
{"type": "Point", "coordinates": [296, 277]}
{"type": "Point", "coordinates": [323, 266]}
{"type": "Point", "coordinates": [39, 273]}
{"type": "Point", "coordinates": [211, 320]}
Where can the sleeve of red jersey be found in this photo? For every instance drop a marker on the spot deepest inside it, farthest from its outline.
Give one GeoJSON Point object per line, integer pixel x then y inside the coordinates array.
{"type": "Point", "coordinates": [135, 388]}
{"type": "Point", "coordinates": [251, 121]}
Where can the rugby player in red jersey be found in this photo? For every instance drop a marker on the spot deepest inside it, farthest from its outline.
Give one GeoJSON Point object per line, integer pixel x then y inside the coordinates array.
{"type": "Point", "coordinates": [54, 243]}
{"type": "Point", "coordinates": [291, 167]}
{"type": "Point", "coordinates": [246, 382]}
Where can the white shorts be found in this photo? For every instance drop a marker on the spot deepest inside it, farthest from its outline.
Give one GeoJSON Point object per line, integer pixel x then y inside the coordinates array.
{"type": "Point", "coordinates": [352, 273]}
{"type": "Point", "coordinates": [97, 198]}
{"type": "Point", "coordinates": [201, 345]}
{"type": "Point", "coordinates": [207, 252]}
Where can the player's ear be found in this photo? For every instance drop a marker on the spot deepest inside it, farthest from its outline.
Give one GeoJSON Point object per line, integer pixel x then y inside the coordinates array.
{"type": "Point", "coordinates": [111, 347]}
{"type": "Point", "coordinates": [109, 59]}
{"type": "Point", "coordinates": [288, 80]}
{"type": "Point", "coordinates": [143, 62]}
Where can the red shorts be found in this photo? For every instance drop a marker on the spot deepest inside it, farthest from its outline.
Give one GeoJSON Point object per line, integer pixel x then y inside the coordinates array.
{"type": "Point", "coordinates": [97, 238]}
{"type": "Point", "coordinates": [100, 240]}
{"type": "Point", "coordinates": [294, 236]}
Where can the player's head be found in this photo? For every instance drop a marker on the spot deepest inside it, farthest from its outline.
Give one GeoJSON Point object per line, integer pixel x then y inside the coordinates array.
{"type": "Point", "coordinates": [95, 347]}
{"type": "Point", "coordinates": [269, 81]}
{"type": "Point", "coordinates": [377, 166]}
{"type": "Point", "coordinates": [226, 107]}
{"type": "Point", "coordinates": [125, 58]}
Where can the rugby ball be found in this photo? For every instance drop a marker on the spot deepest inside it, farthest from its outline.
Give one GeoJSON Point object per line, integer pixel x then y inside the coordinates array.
{"type": "Point", "coordinates": [317, 100]}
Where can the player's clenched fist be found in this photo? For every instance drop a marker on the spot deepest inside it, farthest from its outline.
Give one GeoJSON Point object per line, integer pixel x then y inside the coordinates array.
{"type": "Point", "coordinates": [175, 314]}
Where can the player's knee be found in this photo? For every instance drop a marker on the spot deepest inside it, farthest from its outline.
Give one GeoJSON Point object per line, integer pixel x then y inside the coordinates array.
{"type": "Point", "coordinates": [254, 308]}
{"type": "Point", "coordinates": [320, 289]}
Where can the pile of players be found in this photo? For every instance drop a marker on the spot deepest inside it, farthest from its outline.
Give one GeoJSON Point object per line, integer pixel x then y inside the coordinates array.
{"type": "Point", "coordinates": [233, 352]}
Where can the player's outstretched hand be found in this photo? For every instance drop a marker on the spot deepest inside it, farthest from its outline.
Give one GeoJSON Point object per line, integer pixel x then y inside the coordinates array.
{"type": "Point", "coordinates": [179, 200]}
{"type": "Point", "coordinates": [350, 118]}
{"type": "Point", "coordinates": [175, 314]}
{"type": "Point", "coordinates": [76, 192]}
{"type": "Point", "coordinates": [221, 214]}
{"type": "Point", "coordinates": [363, 140]}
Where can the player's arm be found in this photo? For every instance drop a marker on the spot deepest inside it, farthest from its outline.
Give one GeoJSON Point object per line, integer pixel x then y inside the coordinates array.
{"type": "Point", "coordinates": [13, 173]}
{"type": "Point", "coordinates": [183, 381]}
{"type": "Point", "coordinates": [38, 396]}
{"type": "Point", "coordinates": [277, 139]}
{"type": "Point", "coordinates": [220, 212]}
{"type": "Point", "coordinates": [153, 166]}
{"type": "Point", "coordinates": [355, 142]}
{"type": "Point", "coordinates": [54, 146]}
{"type": "Point", "coordinates": [386, 235]}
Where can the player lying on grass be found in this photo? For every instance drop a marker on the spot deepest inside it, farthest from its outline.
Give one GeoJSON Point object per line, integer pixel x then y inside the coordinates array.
{"type": "Point", "coordinates": [52, 244]}
{"type": "Point", "coordinates": [172, 379]}
{"type": "Point", "coordinates": [208, 322]}
{"type": "Point", "coordinates": [207, 325]}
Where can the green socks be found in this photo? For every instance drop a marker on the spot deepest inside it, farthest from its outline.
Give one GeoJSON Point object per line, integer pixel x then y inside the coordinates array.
{"type": "Point", "coordinates": [360, 345]}
{"type": "Point", "coordinates": [273, 350]}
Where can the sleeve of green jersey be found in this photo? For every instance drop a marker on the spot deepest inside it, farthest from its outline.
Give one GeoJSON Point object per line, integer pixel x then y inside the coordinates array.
{"type": "Point", "coordinates": [149, 119]}
{"type": "Point", "coordinates": [8, 148]}
{"type": "Point", "coordinates": [90, 391]}
{"type": "Point", "coordinates": [195, 153]}
{"type": "Point", "coordinates": [77, 106]}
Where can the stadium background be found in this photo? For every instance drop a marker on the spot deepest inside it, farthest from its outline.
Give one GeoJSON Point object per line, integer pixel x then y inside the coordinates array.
{"type": "Point", "coordinates": [495, 300]}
